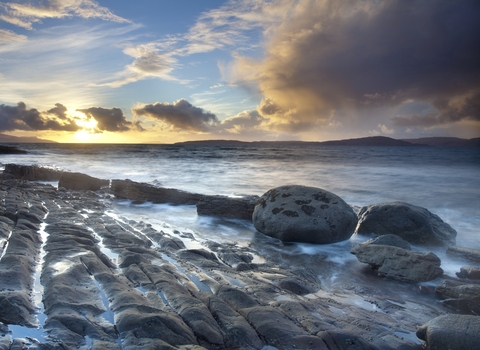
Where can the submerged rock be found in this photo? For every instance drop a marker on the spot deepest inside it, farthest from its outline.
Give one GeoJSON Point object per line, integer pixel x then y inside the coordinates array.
{"type": "Point", "coordinates": [414, 224]}
{"type": "Point", "coordinates": [459, 332]}
{"type": "Point", "coordinates": [392, 240]}
{"type": "Point", "coordinates": [398, 263]}
{"type": "Point", "coordinates": [470, 272]}
{"type": "Point", "coordinates": [466, 253]}
{"type": "Point", "coordinates": [227, 207]}
{"type": "Point", "coordinates": [304, 214]}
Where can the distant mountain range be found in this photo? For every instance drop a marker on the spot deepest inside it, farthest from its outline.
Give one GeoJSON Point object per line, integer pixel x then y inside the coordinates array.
{"type": "Point", "coordinates": [364, 141]}
{"type": "Point", "coordinates": [16, 139]}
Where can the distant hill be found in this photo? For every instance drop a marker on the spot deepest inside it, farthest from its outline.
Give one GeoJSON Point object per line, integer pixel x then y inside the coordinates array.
{"type": "Point", "coordinates": [446, 141]}
{"type": "Point", "coordinates": [363, 141]}
{"type": "Point", "coordinates": [16, 139]}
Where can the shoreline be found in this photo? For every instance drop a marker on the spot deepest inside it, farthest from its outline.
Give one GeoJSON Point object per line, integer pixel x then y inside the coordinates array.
{"type": "Point", "coordinates": [140, 272]}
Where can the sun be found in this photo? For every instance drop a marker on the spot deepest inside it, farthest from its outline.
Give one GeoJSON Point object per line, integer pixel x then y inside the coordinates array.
{"type": "Point", "coordinates": [89, 126]}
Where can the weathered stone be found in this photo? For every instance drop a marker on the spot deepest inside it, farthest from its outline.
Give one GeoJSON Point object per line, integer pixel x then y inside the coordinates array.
{"type": "Point", "coordinates": [127, 189]}
{"type": "Point", "coordinates": [469, 272]}
{"type": "Point", "coordinates": [16, 308]}
{"type": "Point", "coordinates": [466, 253]}
{"type": "Point", "coordinates": [227, 207]}
{"type": "Point", "coordinates": [398, 263]}
{"type": "Point", "coordinates": [459, 332]}
{"type": "Point", "coordinates": [412, 223]}
{"type": "Point", "coordinates": [32, 172]}
{"type": "Point", "coordinates": [79, 181]}
{"type": "Point", "coordinates": [459, 289]}
{"type": "Point", "coordinates": [392, 240]}
{"type": "Point", "coordinates": [304, 214]}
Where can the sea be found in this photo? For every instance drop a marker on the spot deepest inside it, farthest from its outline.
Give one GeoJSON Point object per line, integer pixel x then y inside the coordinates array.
{"type": "Point", "coordinates": [446, 181]}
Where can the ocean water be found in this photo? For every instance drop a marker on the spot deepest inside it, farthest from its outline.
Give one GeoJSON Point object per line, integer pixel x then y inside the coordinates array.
{"type": "Point", "coordinates": [446, 181]}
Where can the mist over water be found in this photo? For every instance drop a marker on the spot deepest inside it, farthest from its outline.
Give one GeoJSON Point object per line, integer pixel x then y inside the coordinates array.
{"type": "Point", "coordinates": [444, 180]}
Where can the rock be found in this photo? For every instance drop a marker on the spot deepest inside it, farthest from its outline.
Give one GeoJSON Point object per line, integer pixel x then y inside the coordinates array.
{"type": "Point", "coordinates": [127, 189]}
{"type": "Point", "coordinates": [455, 332]}
{"type": "Point", "coordinates": [11, 150]}
{"type": "Point", "coordinates": [79, 182]}
{"type": "Point", "coordinates": [304, 214]}
{"type": "Point", "coordinates": [413, 224]}
{"type": "Point", "coordinates": [31, 172]}
{"type": "Point", "coordinates": [398, 263]}
{"type": "Point", "coordinates": [469, 272]}
{"type": "Point", "coordinates": [392, 240]}
{"type": "Point", "coordinates": [459, 289]}
{"type": "Point", "coordinates": [227, 207]}
{"type": "Point", "coordinates": [466, 253]}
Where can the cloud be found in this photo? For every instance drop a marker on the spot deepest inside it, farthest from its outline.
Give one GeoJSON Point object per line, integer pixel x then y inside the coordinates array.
{"type": "Point", "coordinates": [20, 118]}
{"type": "Point", "coordinates": [110, 119]}
{"type": "Point", "coordinates": [243, 123]}
{"type": "Point", "coordinates": [180, 116]}
{"type": "Point", "coordinates": [59, 111]}
{"type": "Point", "coordinates": [7, 37]}
{"type": "Point", "coordinates": [359, 55]}
{"type": "Point", "coordinates": [447, 111]}
{"type": "Point", "coordinates": [148, 63]}
{"type": "Point", "coordinates": [25, 15]}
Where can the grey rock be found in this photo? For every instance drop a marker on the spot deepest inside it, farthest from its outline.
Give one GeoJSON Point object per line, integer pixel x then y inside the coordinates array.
{"type": "Point", "coordinates": [459, 289]}
{"type": "Point", "coordinates": [304, 214]}
{"type": "Point", "coordinates": [32, 172]}
{"type": "Point", "coordinates": [227, 207]}
{"type": "Point", "coordinates": [451, 332]}
{"type": "Point", "coordinates": [392, 240]}
{"type": "Point", "coordinates": [398, 263]}
{"type": "Point", "coordinates": [412, 223]}
{"type": "Point", "coordinates": [79, 181]}
{"type": "Point", "coordinates": [469, 272]}
{"type": "Point", "coordinates": [127, 189]}
{"type": "Point", "coordinates": [465, 253]}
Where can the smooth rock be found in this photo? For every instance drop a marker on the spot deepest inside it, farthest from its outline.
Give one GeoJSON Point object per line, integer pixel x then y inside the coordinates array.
{"type": "Point", "coordinates": [32, 172]}
{"type": "Point", "coordinates": [79, 181]}
{"type": "Point", "coordinates": [470, 272]}
{"type": "Point", "coordinates": [227, 207]}
{"type": "Point", "coordinates": [127, 189]}
{"type": "Point", "coordinates": [412, 223]}
{"type": "Point", "coordinates": [463, 252]}
{"type": "Point", "coordinates": [392, 240]}
{"type": "Point", "coordinates": [398, 263]}
{"type": "Point", "coordinates": [451, 332]}
{"type": "Point", "coordinates": [304, 214]}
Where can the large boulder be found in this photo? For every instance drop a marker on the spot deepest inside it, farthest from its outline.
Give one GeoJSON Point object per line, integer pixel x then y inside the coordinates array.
{"type": "Point", "coordinates": [227, 207]}
{"type": "Point", "coordinates": [398, 263]}
{"type": "Point", "coordinates": [79, 181]}
{"type": "Point", "coordinates": [304, 214]}
{"type": "Point", "coordinates": [414, 224]}
{"type": "Point", "coordinates": [451, 332]}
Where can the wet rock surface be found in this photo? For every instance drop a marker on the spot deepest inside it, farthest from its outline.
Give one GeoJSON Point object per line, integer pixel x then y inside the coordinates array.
{"type": "Point", "coordinates": [304, 214]}
{"type": "Point", "coordinates": [227, 207]}
{"type": "Point", "coordinates": [459, 332]}
{"type": "Point", "coordinates": [469, 254]}
{"type": "Point", "coordinates": [412, 223]}
{"type": "Point", "coordinates": [88, 278]}
{"type": "Point", "coordinates": [31, 172]}
{"type": "Point", "coordinates": [399, 263]}
{"type": "Point", "coordinates": [79, 182]}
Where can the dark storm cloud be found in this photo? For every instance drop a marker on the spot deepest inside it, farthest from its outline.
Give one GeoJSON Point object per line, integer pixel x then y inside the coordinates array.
{"type": "Point", "coordinates": [446, 112]}
{"type": "Point", "coordinates": [110, 119]}
{"type": "Point", "coordinates": [181, 115]}
{"type": "Point", "coordinates": [363, 54]}
{"type": "Point", "coordinates": [20, 118]}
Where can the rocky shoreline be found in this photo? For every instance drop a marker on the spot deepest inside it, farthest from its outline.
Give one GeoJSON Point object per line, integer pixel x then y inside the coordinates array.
{"type": "Point", "coordinates": [106, 282]}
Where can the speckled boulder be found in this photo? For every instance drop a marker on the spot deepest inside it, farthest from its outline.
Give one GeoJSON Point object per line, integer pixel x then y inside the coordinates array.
{"type": "Point", "coordinates": [304, 214]}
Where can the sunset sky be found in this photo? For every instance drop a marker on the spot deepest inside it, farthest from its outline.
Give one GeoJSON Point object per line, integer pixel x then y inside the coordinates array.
{"type": "Point", "coordinates": [168, 71]}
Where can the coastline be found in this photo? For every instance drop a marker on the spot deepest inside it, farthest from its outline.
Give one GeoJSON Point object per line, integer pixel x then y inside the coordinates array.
{"type": "Point", "coordinates": [204, 292]}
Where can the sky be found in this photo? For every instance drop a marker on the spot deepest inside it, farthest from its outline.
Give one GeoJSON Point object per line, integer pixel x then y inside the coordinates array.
{"type": "Point", "coordinates": [155, 71]}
